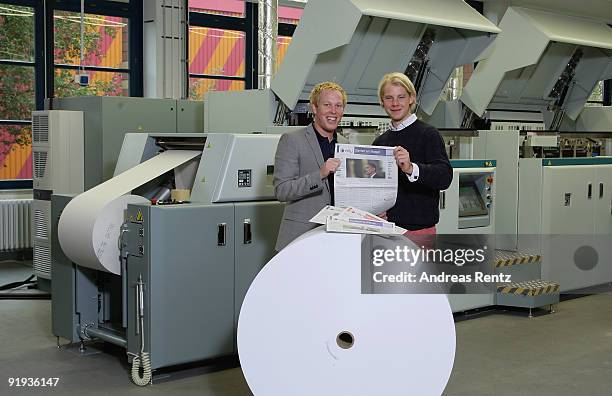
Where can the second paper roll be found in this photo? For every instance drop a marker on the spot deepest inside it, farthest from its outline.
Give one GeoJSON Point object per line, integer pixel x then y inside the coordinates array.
{"type": "Point", "coordinates": [89, 227]}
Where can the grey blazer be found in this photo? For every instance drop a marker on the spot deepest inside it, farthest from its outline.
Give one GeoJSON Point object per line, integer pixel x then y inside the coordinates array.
{"type": "Point", "coordinates": [298, 183]}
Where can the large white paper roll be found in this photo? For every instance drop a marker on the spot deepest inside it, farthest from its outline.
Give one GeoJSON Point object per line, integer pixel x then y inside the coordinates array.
{"type": "Point", "coordinates": [306, 329]}
{"type": "Point", "coordinates": [89, 227]}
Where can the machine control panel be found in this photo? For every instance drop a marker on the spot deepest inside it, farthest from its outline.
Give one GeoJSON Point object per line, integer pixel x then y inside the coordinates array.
{"type": "Point", "coordinates": [475, 199]}
{"type": "Point", "coordinates": [471, 202]}
{"type": "Point", "coordinates": [244, 177]}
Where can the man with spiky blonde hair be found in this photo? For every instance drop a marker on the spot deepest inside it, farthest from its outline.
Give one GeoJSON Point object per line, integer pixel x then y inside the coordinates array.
{"type": "Point", "coordinates": [315, 94]}
{"type": "Point", "coordinates": [304, 164]}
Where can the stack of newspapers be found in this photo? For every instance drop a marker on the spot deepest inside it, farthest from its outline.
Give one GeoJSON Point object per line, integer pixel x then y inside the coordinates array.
{"type": "Point", "coordinates": [354, 220]}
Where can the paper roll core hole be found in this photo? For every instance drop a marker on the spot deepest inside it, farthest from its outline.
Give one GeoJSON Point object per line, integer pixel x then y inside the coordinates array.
{"type": "Point", "coordinates": [345, 340]}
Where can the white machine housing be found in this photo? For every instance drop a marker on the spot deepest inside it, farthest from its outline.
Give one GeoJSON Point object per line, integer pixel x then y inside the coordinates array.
{"type": "Point", "coordinates": [467, 207]}
{"type": "Point", "coordinates": [568, 203]}
{"type": "Point", "coordinates": [57, 156]}
{"type": "Point", "coordinates": [542, 61]}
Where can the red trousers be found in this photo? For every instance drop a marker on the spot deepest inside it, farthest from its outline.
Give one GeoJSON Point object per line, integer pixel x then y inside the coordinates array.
{"type": "Point", "coordinates": [423, 238]}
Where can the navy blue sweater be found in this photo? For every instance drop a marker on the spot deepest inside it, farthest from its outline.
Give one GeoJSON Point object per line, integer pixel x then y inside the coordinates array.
{"type": "Point", "coordinates": [417, 202]}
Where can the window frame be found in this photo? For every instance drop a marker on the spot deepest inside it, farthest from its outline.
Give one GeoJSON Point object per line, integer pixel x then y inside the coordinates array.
{"type": "Point", "coordinates": [39, 91]}
{"type": "Point", "coordinates": [132, 11]}
{"type": "Point", "coordinates": [246, 24]}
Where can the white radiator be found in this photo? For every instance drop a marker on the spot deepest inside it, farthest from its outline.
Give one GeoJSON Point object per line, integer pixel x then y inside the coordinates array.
{"type": "Point", "coordinates": [15, 220]}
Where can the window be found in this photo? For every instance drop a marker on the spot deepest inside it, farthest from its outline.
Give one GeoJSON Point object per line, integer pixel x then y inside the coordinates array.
{"type": "Point", "coordinates": [16, 33]}
{"type": "Point", "coordinates": [597, 96]}
{"type": "Point", "coordinates": [15, 151]}
{"type": "Point", "coordinates": [220, 39]}
{"type": "Point", "coordinates": [288, 18]}
{"type": "Point", "coordinates": [455, 84]}
{"type": "Point", "coordinates": [215, 55]}
{"type": "Point", "coordinates": [290, 15]}
{"type": "Point", "coordinates": [282, 43]}
{"type": "Point", "coordinates": [104, 58]}
{"type": "Point", "coordinates": [18, 90]}
{"type": "Point", "coordinates": [223, 46]}
{"type": "Point", "coordinates": [199, 86]}
{"type": "Point", "coordinates": [232, 8]}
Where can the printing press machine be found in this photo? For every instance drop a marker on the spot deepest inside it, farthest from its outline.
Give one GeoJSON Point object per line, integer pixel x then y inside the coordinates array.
{"type": "Point", "coordinates": [553, 177]}
{"type": "Point", "coordinates": [185, 266]}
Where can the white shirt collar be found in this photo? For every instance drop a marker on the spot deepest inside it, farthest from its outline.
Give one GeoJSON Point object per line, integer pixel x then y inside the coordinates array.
{"type": "Point", "coordinates": [409, 120]}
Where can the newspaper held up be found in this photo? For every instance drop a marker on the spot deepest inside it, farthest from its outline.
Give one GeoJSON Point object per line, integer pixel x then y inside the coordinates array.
{"type": "Point", "coordinates": [366, 178]}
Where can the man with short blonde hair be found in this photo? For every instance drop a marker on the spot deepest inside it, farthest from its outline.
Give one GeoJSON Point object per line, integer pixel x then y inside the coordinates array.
{"type": "Point", "coordinates": [304, 164]}
{"type": "Point", "coordinates": [316, 91]}
{"type": "Point", "coordinates": [420, 155]}
{"type": "Point", "coordinates": [397, 79]}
